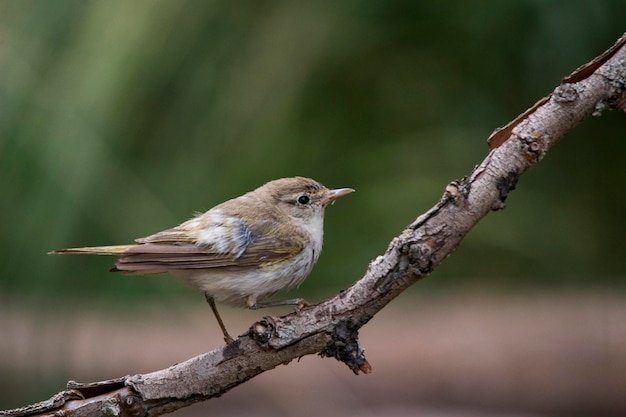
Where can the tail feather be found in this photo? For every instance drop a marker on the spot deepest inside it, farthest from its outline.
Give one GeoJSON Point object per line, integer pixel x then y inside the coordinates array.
{"type": "Point", "coordinates": [94, 250]}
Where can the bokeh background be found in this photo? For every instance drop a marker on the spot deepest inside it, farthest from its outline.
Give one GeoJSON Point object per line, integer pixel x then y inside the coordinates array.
{"type": "Point", "coordinates": [119, 119]}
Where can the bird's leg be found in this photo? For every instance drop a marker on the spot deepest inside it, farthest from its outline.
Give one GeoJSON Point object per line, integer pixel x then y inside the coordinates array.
{"type": "Point", "coordinates": [211, 302]}
{"type": "Point", "coordinates": [300, 303]}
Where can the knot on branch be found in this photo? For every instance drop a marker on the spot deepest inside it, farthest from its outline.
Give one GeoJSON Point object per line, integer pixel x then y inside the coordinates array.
{"type": "Point", "coordinates": [132, 406]}
{"type": "Point", "coordinates": [456, 192]}
{"type": "Point", "coordinates": [419, 256]}
{"type": "Point", "coordinates": [345, 347]}
{"type": "Point", "coordinates": [262, 331]}
{"type": "Point", "coordinates": [414, 260]}
{"type": "Point", "coordinates": [565, 93]}
{"type": "Point", "coordinates": [534, 146]}
{"type": "Point", "coordinates": [505, 185]}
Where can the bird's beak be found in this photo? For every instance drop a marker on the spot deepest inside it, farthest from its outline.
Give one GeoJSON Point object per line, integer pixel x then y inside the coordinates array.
{"type": "Point", "coordinates": [335, 194]}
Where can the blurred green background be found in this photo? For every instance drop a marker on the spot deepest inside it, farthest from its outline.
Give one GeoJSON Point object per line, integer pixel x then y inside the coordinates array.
{"type": "Point", "coordinates": [121, 118]}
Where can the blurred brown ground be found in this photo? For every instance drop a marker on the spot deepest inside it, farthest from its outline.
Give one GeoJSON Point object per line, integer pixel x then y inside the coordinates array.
{"type": "Point", "coordinates": [470, 354]}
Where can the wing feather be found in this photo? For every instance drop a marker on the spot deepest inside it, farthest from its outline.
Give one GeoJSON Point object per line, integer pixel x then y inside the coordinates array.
{"type": "Point", "coordinates": [163, 252]}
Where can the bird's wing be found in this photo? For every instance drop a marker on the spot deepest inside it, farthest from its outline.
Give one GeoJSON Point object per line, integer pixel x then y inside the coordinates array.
{"type": "Point", "coordinates": [228, 243]}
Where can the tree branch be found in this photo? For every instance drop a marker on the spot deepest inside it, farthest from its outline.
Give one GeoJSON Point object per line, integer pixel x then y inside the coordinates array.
{"type": "Point", "coordinates": [330, 328]}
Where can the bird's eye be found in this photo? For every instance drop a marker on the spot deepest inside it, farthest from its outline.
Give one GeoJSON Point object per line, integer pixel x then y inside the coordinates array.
{"type": "Point", "coordinates": [303, 199]}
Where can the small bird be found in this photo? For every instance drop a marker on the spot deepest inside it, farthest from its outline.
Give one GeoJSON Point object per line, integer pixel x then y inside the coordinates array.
{"type": "Point", "coordinates": [241, 251]}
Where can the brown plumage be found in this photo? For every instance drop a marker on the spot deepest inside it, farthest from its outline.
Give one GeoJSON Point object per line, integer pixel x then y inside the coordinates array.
{"type": "Point", "coordinates": [240, 251]}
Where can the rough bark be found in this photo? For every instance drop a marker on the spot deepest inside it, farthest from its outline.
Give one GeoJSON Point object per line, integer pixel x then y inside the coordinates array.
{"type": "Point", "coordinates": [330, 328]}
